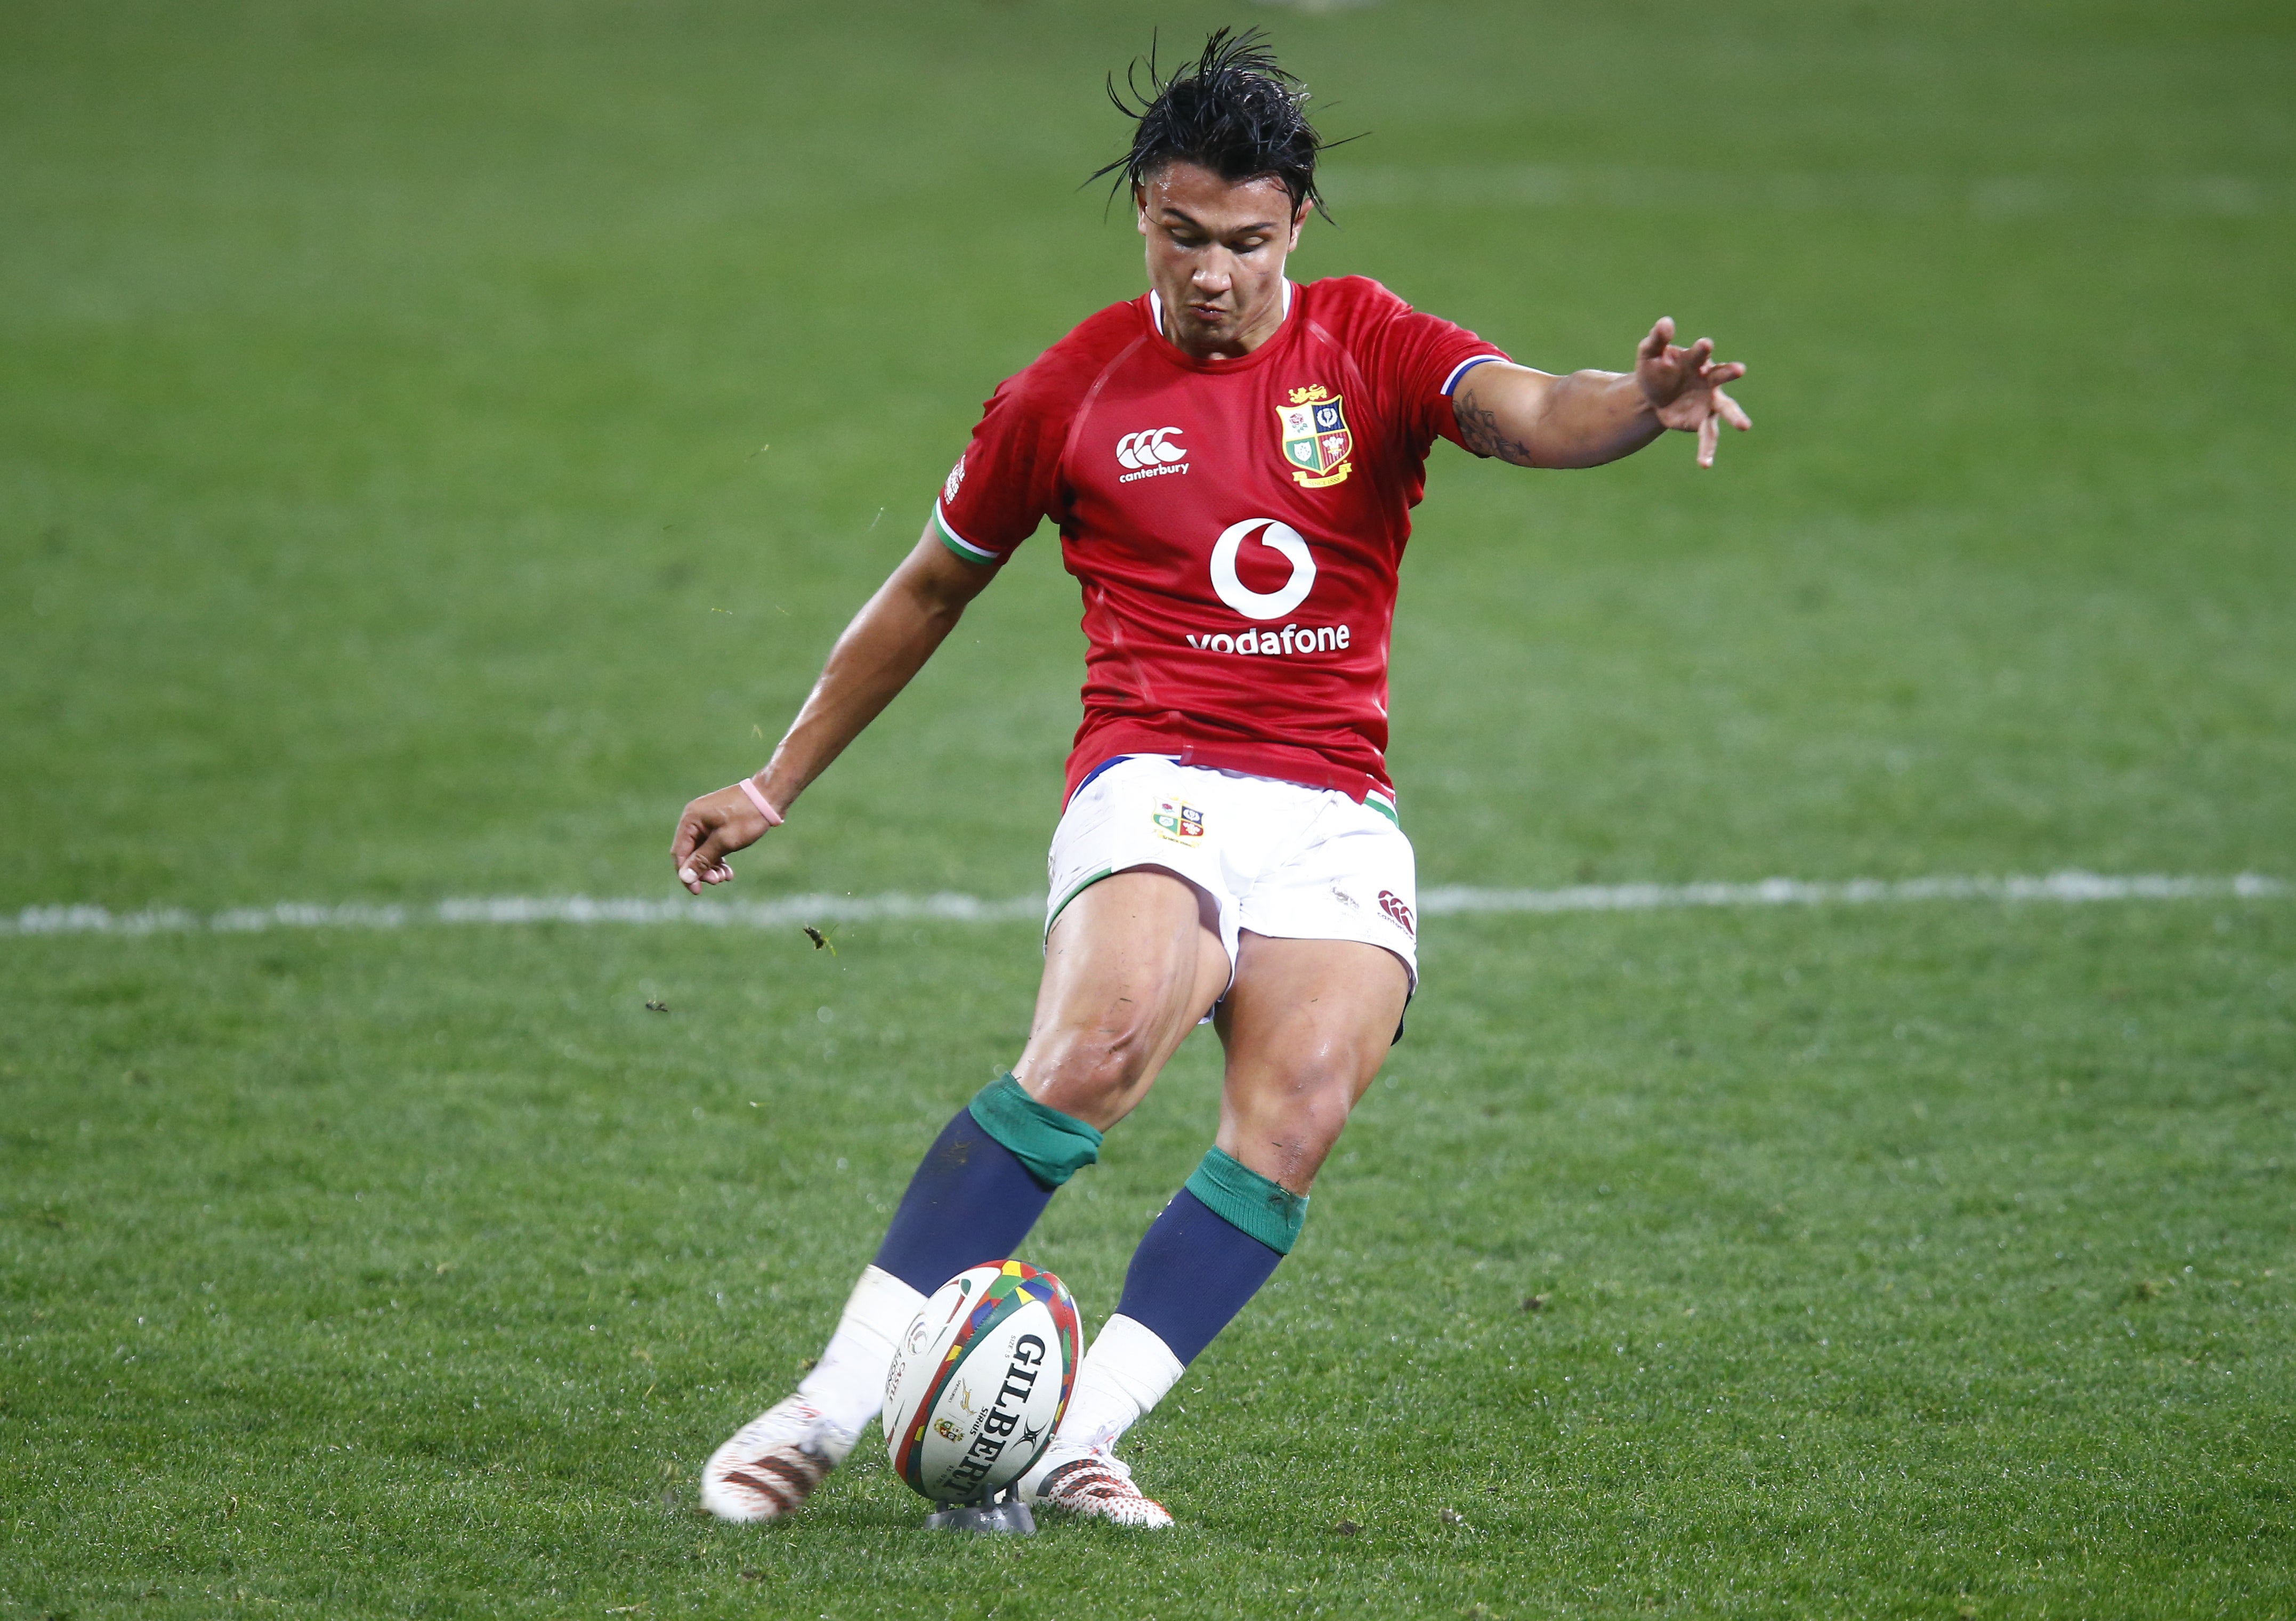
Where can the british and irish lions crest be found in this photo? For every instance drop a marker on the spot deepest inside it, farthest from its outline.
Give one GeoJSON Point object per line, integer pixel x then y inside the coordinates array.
{"type": "Point", "coordinates": [1181, 824]}
{"type": "Point", "coordinates": [1316, 436]}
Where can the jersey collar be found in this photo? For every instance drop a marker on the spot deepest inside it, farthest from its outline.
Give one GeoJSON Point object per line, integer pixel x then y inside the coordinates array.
{"type": "Point", "coordinates": [1156, 319]}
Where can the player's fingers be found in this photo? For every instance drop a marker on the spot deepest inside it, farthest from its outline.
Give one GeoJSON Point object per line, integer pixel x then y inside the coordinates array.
{"type": "Point", "coordinates": [706, 865]}
{"type": "Point", "coordinates": [1730, 409]}
{"type": "Point", "coordinates": [1699, 353]}
{"type": "Point", "coordinates": [697, 854]}
{"type": "Point", "coordinates": [1725, 371]}
{"type": "Point", "coordinates": [1709, 432]}
{"type": "Point", "coordinates": [1654, 346]}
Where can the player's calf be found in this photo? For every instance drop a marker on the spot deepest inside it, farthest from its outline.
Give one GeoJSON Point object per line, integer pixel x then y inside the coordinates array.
{"type": "Point", "coordinates": [978, 1191]}
{"type": "Point", "coordinates": [1200, 1262]}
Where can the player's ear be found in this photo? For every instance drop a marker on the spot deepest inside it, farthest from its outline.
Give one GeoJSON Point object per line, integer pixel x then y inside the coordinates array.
{"type": "Point", "coordinates": [1140, 206]}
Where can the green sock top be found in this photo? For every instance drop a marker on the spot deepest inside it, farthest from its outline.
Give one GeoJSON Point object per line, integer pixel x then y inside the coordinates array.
{"type": "Point", "coordinates": [1054, 1145]}
{"type": "Point", "coordinates": [1249, 1202]}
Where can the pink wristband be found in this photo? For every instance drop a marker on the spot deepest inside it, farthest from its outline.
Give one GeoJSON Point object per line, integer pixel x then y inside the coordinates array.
{"type": "Point", "coordinates": [748, 786]}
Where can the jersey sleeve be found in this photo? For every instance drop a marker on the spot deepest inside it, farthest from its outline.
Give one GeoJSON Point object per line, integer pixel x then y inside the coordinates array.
{"type": "Point", "coordinates": [1008, 478]}
{"type": "Point", "coordinates": [1421, 360]}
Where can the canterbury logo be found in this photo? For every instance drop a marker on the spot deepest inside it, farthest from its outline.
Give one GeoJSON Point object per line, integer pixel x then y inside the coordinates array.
{"type": "Point", "coordinates": [1150, 447]}
{"type": "Point", "coordinates": [1395, 907]}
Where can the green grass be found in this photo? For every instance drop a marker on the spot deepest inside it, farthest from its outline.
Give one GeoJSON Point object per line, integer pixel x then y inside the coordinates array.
{"type": "Point", "coordinates": [383, 516]}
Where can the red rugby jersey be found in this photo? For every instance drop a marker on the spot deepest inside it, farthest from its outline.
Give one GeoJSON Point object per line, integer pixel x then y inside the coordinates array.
{"type": "Point", "coordinates": [1236, 524]}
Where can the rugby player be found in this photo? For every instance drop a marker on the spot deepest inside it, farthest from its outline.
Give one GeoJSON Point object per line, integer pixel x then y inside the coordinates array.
{"type": "Point", "coordinates": [1231, 459]}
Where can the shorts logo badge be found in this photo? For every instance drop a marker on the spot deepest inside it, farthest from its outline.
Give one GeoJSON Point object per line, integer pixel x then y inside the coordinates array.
{"type": "Point", "coordinates": [1181, 824]}
{"type": "Point", "coordinates": [1392, 904]}
{"type": "Point", "coordinates": [1316, 437]}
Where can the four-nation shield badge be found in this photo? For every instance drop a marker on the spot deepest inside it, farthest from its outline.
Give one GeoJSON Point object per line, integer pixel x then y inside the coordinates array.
{"type": "Point", "coordinates": [1183, 824]}
{"type": "Point", "coordinates": [1316, 437]}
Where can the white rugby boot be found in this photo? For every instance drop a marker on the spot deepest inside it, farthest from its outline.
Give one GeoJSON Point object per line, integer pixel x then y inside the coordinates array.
{"type": "Point", "coordinates": [1095, 1483]}
{"type": "Point", "coordinates": [775, 1460]}
{"type": "Point", "coordinates": [772, 1463]}
{"type": "Point", "coordinates": [1128, 1370]}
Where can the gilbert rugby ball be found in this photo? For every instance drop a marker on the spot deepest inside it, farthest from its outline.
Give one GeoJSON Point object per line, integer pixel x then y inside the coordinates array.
{"type": "Point", "coordinates": [980, 1381]}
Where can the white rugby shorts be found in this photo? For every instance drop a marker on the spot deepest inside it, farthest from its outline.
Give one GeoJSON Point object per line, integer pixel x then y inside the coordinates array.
{"type": "Point", "coordinates": [1288, 861]}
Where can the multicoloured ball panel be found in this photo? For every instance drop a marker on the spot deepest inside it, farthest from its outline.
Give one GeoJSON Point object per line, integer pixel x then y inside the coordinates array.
{"type": "Point", "coordinates": [980, 1381]}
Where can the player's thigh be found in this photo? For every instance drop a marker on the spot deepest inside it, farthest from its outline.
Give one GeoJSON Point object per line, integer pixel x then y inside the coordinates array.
{"type": "Point", "coordinates": [1130, 964]}
{"type": "Point", "coordinates": [1307, 1024]}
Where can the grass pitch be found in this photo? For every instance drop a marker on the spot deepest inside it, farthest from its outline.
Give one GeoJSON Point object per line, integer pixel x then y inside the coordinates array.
{"type": "Point", "coordinates": [435, 441]}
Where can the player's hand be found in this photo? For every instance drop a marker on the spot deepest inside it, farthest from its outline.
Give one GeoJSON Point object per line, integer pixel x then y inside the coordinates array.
{"type": "Point", "coordinates": [713, 827]}
{"type": "Point", "coordinates": [1683, 387]}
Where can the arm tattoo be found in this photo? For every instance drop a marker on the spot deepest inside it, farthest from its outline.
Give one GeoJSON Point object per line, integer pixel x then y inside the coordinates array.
{"type": "Point", "coordinates": [1478, 427]}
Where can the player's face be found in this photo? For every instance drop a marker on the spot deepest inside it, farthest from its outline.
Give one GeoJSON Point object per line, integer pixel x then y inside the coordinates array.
{"type": "Point", "coordinates": [1215, 253]}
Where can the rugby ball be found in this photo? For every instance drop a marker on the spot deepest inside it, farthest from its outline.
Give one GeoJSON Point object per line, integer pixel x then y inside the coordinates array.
{"type": "Point", "coordinates": [980, 1381]}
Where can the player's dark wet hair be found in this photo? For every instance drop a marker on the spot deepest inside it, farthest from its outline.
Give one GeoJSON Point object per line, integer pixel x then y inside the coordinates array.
{"type": "Point", "coordinates": [1234, 111]}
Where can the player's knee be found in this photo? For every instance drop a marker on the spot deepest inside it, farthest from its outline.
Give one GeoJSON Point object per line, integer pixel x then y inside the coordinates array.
{"type": "Point", "coordinates": [1087, 1072]}
{"type": "Point", "coordinates": [1319, 1118]}
{"type": "Point", "coordinates": [1326, 1072]}
{"type": "Point", "coordinates": [1308, 1105]}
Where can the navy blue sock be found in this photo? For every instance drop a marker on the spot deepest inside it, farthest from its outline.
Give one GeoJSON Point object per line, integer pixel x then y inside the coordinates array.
{"type": "Point", "coordinates": [972, 1200]}
{"type": "Point", "coordinates": [1191, 1274]}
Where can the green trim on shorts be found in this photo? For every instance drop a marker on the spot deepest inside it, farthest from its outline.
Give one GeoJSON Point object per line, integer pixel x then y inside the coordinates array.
{"type": "Point", "coordinates": [1054, 1147]}
{"type": "Point", "coordinates": [1249, 1202]}
{"type": "Point", "coordinates": [1385, 807]}
{"type": "Point", "coordinates": [1078, 888]}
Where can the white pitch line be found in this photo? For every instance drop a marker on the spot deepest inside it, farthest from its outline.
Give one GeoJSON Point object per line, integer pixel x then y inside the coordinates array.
{"type": "Point", "coordinates": [1855, 892]}
{"type": "Point", "coordinates": [948, 907]}
{"type": "Point", "coordinates": [787, 911]}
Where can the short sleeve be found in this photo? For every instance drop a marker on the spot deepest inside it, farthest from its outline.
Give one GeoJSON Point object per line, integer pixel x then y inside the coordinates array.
{"type": "Point", "coordinates": [1007, 479]}
{"type": "Point", "coordinates": [1422, 358]}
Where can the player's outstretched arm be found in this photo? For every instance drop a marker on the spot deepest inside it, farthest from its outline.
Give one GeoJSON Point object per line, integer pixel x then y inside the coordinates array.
{"type": "Point", "coordinates": [887, 644]}
{"type": "Point", "coordinates": [1536, 420]}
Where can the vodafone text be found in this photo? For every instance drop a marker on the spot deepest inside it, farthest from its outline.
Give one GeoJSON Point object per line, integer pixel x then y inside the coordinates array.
{"type": "Point", "coordinates": [1290, 639]}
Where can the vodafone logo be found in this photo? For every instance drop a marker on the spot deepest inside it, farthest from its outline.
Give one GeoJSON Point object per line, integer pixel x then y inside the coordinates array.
{"type": "Point", "coordinates": [1278, 536]}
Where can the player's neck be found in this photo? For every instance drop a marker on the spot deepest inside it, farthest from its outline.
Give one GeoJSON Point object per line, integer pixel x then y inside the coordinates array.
{"type": "Point", "coordinates": [1265, 324]}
